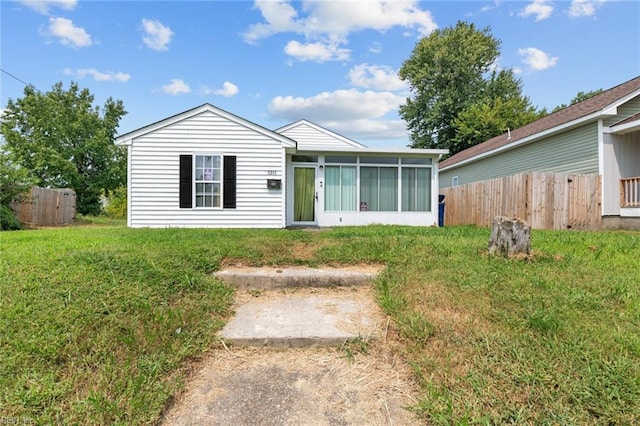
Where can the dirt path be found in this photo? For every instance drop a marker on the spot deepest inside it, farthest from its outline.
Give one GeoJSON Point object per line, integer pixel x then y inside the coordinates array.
{"type": "Point", "coordinates": [357, 384]}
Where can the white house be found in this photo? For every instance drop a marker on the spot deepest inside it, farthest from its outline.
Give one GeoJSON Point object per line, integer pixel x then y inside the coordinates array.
{"type": "Point", "coordinates": [208, 168]}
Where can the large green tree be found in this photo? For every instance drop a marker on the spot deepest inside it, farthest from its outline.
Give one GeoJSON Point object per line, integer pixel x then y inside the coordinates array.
{"type": "Point", "coordinates": [451, 80]}
{"type": "Point", "coordinates": [63, 140]}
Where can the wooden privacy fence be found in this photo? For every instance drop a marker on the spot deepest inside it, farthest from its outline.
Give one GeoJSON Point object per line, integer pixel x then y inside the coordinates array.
{"type": "Point", "coordinates": [543, 200]}
{"type": "Point", "coordinates": [46, 207]}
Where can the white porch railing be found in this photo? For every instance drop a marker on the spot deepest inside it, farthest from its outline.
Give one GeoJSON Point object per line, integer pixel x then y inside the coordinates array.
{"type": "Point", "coordinates": [630, 192]}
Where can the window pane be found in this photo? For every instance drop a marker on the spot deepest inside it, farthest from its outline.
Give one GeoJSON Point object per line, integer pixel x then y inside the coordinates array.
{"type": "Point", "coordinates": [369, 188]}
{"type": "Point", "coordinates": [423, 196]}
{"type": "Point", "coordinates": [423, 161]}
{"type": "Point", "coordinates": [304, 158]}
{"type": "Point", "coordinates": [215, 189]}
{"type": "Point", "coordinates": [216, 201]}
{"type": "Point", "coordinates": [199, 175]}
{"type": "Point", "coordinates": [199, 161]}
{"type": "Point", "coordinates": [332, 189]}
{"type": "Point", "coordinates": [208, 201]}
{"type": "Point", "coordinates": [408, 189]}
{"type": "Point", "coordinates": [379, 160]}
{"type": "Point", "coordinates": [388, 189]}
{"type": "Point", "coordinates": [215, 161]}
{"type": "Point", "coordinates": [199, 201]}
{"type": "Point", "coordinates": [339, 159]}
{"type": "Point", "coordinates": [348, 190]}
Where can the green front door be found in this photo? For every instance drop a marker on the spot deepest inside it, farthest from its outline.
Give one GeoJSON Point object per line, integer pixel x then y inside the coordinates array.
{"type": "Point", "coordinates": [304, 194]}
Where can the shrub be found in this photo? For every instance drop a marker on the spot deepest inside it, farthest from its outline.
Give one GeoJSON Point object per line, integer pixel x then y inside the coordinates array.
{"type": "Point", "coordinates": [8, 220]}
{"type": "Point", "coordinates": [117, 203]}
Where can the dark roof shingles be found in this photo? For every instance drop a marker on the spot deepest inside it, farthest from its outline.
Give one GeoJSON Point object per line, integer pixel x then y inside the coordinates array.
{"type": "Point", "coordinates": [565, 115]}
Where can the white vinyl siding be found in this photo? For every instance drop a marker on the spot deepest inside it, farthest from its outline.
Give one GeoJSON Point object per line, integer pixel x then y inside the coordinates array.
{"type": "Point", "coordinates": [621, 159]}
{"type": "Point", "coordinates": [574, 151]}
{"type": "Point", "coordinates": [154, 174]}
{"type": "Point", "coordinates": [310, 138]}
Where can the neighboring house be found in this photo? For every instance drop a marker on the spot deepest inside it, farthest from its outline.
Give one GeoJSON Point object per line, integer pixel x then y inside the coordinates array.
{"type": "Point", "coordinates": [209, 168]}
{"type": "Point", "coordinates": [600, 135]}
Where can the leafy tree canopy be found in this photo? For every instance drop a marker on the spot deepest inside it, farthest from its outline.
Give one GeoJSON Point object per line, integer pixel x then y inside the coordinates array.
{"type": "Point", "coordinates": [455, 87]}
{"type": "Point", "coordinates": [579, 97]}
{"type": "Point", "coordinates": [63, 140]}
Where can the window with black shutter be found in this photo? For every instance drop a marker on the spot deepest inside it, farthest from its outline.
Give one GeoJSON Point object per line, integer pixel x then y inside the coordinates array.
{"type": "Point", "coordinates": [207, 176]}
{"type": "Point", "coordinates": [229, 179]}
{"type": "Point", "coordinates": [186, 181]}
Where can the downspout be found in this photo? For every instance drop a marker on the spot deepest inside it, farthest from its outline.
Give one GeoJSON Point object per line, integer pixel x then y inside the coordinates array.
{"type": "Point", "coordinates": [129, 148]}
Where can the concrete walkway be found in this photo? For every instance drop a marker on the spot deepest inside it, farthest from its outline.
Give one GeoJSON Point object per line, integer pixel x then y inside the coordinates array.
{"type": "Point", "coordinates": [278, 366]}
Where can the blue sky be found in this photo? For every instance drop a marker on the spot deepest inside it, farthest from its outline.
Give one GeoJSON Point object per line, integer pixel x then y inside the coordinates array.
{"type": "Point", "coordinates": [274, 62]}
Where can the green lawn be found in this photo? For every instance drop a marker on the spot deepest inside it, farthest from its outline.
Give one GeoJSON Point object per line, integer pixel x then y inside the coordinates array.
{"type": "Point", "coordinates": [101, 323]}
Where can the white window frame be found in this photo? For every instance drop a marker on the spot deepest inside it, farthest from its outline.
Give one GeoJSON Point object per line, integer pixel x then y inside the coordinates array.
{"type": "Point", "coordinates": [454, 181]}
{"type": "Point", "coordinates": [219, 182]}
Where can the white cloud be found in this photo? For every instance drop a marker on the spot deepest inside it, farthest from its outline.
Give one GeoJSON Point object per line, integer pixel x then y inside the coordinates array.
{"type": "Point", "coordinates": [536, 59]}
{"type": "Point", "coordinates": [228, 90]}
{"type": "Point", "coordinates": [496, 4]}
{"type": "Point", "coordinates": [43, 6]}
{"type": "Point", "coordinates": [542, 9]}
{"type": "Point", "coordinates": [98, 75]}
{"type": "Point", "coordinates": [157, 36]}
{"type": "Point", "coordinates": [580, 8]}
{"type": "Point", "coordinates": [375, 47]}
{"type": "Point", "coordinates": [67, 33]}
{"type": "Point", "coordinates": [328, 23]}
{"type": "Point", "coordinates": [336, 19]}
{"type": "Point", "coordinates": [339, 105]}
{"type": "Point", "coordinates": [376, 77]}
{"type": "Point", "coordinates": [369, 129]}
{"type": "Point", "coordinates": [318, 52]}
{"type": "Point", "coordinates": [176, 87]}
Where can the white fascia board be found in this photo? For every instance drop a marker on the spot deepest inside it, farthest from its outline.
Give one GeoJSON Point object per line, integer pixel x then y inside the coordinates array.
{"type": "Point", "coordinates": [613, 108]}
{"type": "Point", "coordinates": [621, 129]}
{"type": "Point", "coordinates": [401, 151]}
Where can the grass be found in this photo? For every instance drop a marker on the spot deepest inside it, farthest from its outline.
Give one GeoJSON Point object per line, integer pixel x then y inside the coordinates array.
{"type": "Point", "coordinates": [101, 323]}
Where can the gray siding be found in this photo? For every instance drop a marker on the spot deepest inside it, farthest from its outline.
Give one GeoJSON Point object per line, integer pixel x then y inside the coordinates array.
{"type": "Point", "coordinates": [574, 151]}
{"type": "Point", "coordinates": [154, 175]}
{"type": "Point", "coordinates": [625, 110]}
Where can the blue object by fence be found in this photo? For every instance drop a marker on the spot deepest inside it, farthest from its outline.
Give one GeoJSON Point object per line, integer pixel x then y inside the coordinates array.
{"type": "Point", "coordinates": [441, 210]}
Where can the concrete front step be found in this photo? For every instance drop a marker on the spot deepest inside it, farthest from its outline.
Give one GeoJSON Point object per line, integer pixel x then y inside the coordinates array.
{"type": "Point", "coordinates": [289, 277]}
{"type": "Point", "coordinates": [297, 306]}
{"type": "Point", "coordinates": [297, 320]}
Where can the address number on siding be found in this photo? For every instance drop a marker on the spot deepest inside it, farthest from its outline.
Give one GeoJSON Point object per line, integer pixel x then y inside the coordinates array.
{"type": "Point", "coordinates": [272, 172]}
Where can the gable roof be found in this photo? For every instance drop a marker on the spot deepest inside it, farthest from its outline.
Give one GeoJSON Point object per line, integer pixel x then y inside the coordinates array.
{"type": "Point", "coordinates": [319, 129]}
{"type": "Point", "coordinates": [127, 138]}
{"type": "Point", "coordinates": [590, 109]}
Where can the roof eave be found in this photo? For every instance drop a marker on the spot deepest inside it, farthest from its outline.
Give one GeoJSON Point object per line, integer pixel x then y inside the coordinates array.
{"type": "Point", "coordinates": [529, 139]}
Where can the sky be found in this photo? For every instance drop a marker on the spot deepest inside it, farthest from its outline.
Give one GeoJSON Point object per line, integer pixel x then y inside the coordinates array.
{"type": "Point", "coordinates": [272, 62]}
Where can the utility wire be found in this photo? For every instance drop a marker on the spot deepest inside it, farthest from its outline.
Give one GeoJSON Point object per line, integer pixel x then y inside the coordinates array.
{"type": "Point", "coordinates": [16, 78]}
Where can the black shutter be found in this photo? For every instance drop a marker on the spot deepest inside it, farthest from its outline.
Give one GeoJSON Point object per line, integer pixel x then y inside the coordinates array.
{"type": "Point", "coordinates": [186, 183]}
{"type": "Point", "coordinates": [229, 182]}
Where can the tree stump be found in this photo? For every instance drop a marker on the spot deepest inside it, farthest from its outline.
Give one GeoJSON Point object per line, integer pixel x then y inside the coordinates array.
{"type": "Point", "coordinates": [510, 236]}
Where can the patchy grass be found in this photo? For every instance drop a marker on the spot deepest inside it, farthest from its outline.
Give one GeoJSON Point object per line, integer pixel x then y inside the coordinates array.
{"type": "Point", "coordinates": [100, 322]}
{"type": "Point", "coordinates": [550, 339]}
